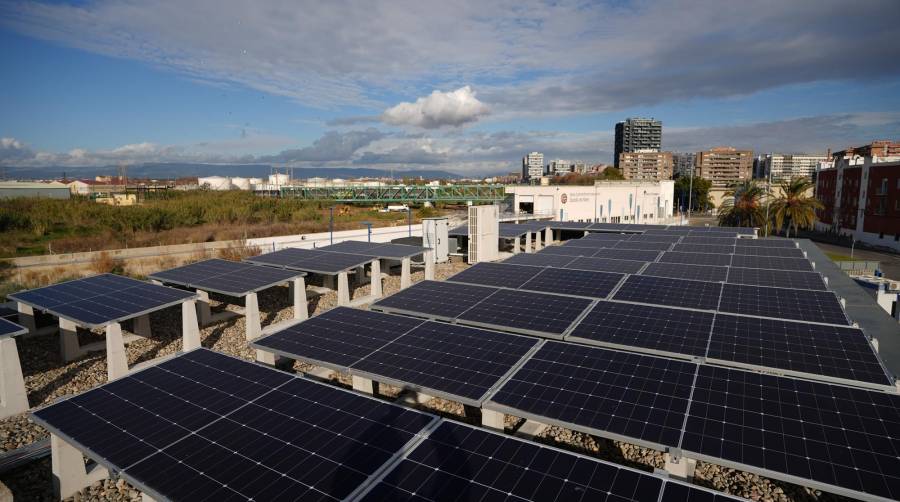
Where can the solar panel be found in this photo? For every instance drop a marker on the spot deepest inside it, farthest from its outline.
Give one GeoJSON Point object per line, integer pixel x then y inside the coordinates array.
{"type": "Point", "coordinates": [681, 271]}
{"type": "Point", "coordinates": [602, 237]}
{"type": "Point", "coordinates": [839, 439]}
{"type": "Point", "coordinates": [645, 328]}
{"type": "Point", "coordinates": [771, 262]}
{"type": "Point", "coordinates": [673, 292]}
{"type": "Point", "coordinates": [568, 250]}
{"type": "Point", "coordinates": [670, 230]}
{"type": "Point", "coordinates": [351, 247]}
{"type": "Point", "coordinates": [776, 278]}
{"type": "Point", "coordinates": [284, 257]}
{"type": "Point", "coordinates": [720, 260]}
{"type": "Point", "coordinates": [460, 462]}
{"type": "Point", "coordinates": [654, 238]}
{"type": "Point", "coordinates": [770, 242]}
{"type": "Point", "coordinates": [512, 231]}
{"type": "Point", "coordinates": [207, 426]}
{"type": "Point", "coordinates": [568, 225]}
{"type": "Point", "coordinates": [539, 260]}
{"type": "Point", "coordinates": [631, 397]}
{"type": "Point", "coordinates": [337, 338]}
{"type": "Point", "coordinates": [574, 282]}
{"type": "Point", "coordinates": [594, 243]}
{"type": "Point", "coordinates": [704, 248]}
{"type": "Point", "coordinates": [9, 314]}
{"type": "Point", "coordinates": [332, 263]}
{"type": "Point", "coordinates": [767, 251]}
{"type": "Point", "coordinates": [525, 312]}
{"type": "Point", "coordinates": [462, 231]}
{"type": "Point", "coordinates": [782, 303]}
{"type": "Point", "coordinates": [433, 299]}
{"type": "Point", "coordinates": [707, 239]}
{"type": "Point", "coordinates": [606, 265]}
{"type": "Point", "coordinates": [714, 234]}
{"type": "Point", "coordinates": [627, 254]}
{"type": "Point", "coordinates": [397, 251]}
{"type": "Point", "coordinates": [496, 274]}
{"type": "Point", "coordinates": [101, 299]}
{"type": "Point", "coordinates": [811, 349]}
{"type": "Point", "coordinates": [644, 245]}
{"type": "Point", "coordinates": [226, 277]}
{"type": "Point", "coordinates": [454, 361]}
{"type": "Point", "coordinates": [9, 328]}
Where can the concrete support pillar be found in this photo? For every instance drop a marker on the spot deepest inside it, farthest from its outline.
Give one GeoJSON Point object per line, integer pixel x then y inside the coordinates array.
{"type": "Point", "coordinates": [375, 282]}
{"type": "Point", "coordinates": [428, 256]}
{"type": "Point", "coordinates": [515, 246]}
{"type": "Point", "coordinates": [528, 242]}
{"type": "Point", "coordinates": [680, 467]}
{"type": "Point", "coordinates": [548, 235]}
{"type": "Point", "coordinates": [537, 241]}
{"type": "Point", "coordinates": [492, 419]}
{"type": "Point", "coordinates": [141, 326]}
{"type": "Point", "coordinates": [204, 313]}
{"type": "Point", "coordinates": [26, 317]}
{"type": "Point", "coordinates": [251, 317]}
{"type": "Point", "coordinates": [266, 357]}
{"type": "Point", "coordinates": [13, 396]}
{"type": "Point", "coordinates": [343, 290]}
{"type": "Point", "coordinates": [147, 498]}
{"type": "Point", "coordinates": [69, 348]}
{"type": "Point", "coordinates": [405, 280]}
{"type": "Point", "coordinates": [70, 474]}
{"type": "Point", "coordinates": [361, 384]}
{"type": "Point", "coordinates": [298, 292]}
{"type": "Point", "coordinates": [190, 330]}
{"type": "Point", "coordinates": [116, 358]}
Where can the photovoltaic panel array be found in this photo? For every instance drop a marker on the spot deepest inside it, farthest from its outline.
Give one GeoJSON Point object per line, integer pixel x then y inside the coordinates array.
{"type": "Point", "coordinates": [526, 312]}
{"type": "Point", "coordinates": [655, 329]}
{"type": "Point", "coordinates": [284, 257]}
{"type": "Point", "coordinates": [207, 426]}
{"type": "Point", "coordinates": [433, 299]}
{"type": "Point", "coordinates": [606, 265]}
{"type": "Point", "coordinates": [226, 277]}
{"type": "Point", "coordinates": [574, 282]}
{"type": "Point", "coordinates": [772, 262]}
{"type": "Point", "coordinates": [462, 231]}
{"type": "Point", "coordinates": [460, 462]}
{"type": "Point", "coordinates": [9, 328]}
{"type": "Point", "coordinates": [643, 245]}
{"type": "Point", "coordinates": [593, 243]}
{"type": "Point", "coordinates": [496, 274]}
{"type": "Point", "coordinates": [539, 260]}
{"type": "Point", "coordinates": [569, 250]}
{"type": "Point", "coordinates": [776, 278]}
{"type": "Point", "coordinates": [719, 260]}
{"type": "Point", "coordinates": [704, 248]}
{"type": "Point", "coordinates": [781, 303]}
{"type": "Point", "coordinates": [770, 242]}
{"type": "Point", "coordinates": [507, 231]}
{"type": "Point", "coordinates": [101, 299]}
{"type": "Point", "coordinates": [797, 347]}
{"type": "Point", "coordinates": [377, 249]}
{"type": "Point", "coordinates": [682, 271]}
{"type": "Point", "coordinates": [604, 392]}
{"type": "Point", "coordinates": [673, 292]}
{"type": "Point", "coordinates": [832, 437]}
{"type": "Point", "coordinates": [627, 254]}
{"type": "Point", "coordinates": [703, 239]}
{"type": "Point", "coordinates": [359, 247]}
{"type": "Point", "coordinates": [768, 251]}
{"type": "Point", "coordinates": [597, 238]}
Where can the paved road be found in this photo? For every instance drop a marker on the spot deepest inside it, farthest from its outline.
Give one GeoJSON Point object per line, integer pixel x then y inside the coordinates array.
{"type": "Point", "coordinates": [890, 263]}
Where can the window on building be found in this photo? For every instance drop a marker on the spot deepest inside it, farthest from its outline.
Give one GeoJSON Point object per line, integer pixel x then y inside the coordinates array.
{"type": "Point", "coordinates": [884, 183]}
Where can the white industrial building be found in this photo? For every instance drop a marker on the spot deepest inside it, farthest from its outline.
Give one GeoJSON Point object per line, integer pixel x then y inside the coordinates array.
{"type": "Point", "coordinates": [604, 202]}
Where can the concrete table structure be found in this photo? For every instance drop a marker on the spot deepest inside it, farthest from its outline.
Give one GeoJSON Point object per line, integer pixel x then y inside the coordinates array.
{"type": "Point", "coordinates": [236, 280]}
{"type": "Point", "coordinates": [13, 396]}
{"type": "Point", "coordinates": [105, 301]}
{"type": "Point", "coordinates": [386, 252]}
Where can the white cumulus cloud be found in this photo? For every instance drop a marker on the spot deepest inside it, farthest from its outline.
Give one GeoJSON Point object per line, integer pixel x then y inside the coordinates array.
{"type": "Point", "coordinates": [438, 109]}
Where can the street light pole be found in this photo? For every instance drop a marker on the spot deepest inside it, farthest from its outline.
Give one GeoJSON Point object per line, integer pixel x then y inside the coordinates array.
{"type": "Point", "coordinates": [768, 198]}
{"type": "Point", "coordinates": [331, 226]}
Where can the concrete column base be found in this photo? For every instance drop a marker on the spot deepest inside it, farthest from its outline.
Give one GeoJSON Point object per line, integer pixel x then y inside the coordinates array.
{"type": "Point", "coordinates": [492, 419]}
{"type": "Point", "coordinates": [428, 256]}
{"type": "Point", "coordinates": [515, 246]}
{"type": "Point", "coordinates": [531, 429]}
{"type": "Point", "coordinates": [116, 358]}
{"type": "Point", "coordinates": [26, 317]}
{"type": "Point", "coordinates": [147, 498]}
{"type": "Point", "coordinates": [141, 326]}
{"type": "Point", "coordinates": [70, 474]}
{"type": "Point", "coordinates": [405, 279]}
{"type": "Point", "coordinates": [69, 348]}
{"type": "Point", "coordinates": [680, 467]}
{"type": "Point", "coordinates": [190, 330]}
{"type": "Point", "coordinates": [265, 357]}
{"type": "Point", "coordinates": [376, 288]}
{"type": "Point", "coordinates": [298, 292]}
{"type": "Point", "coordinates": [528, 242]}
{"type": "Point", "coordinates": [548, 236]}
{"type": "Point", "coordinates": [204, 313]}
{"type": "Point", "coordinates": [13, 396]}
{"type": "Point", "coordinates": [364, 385]}
{"type": "Point", "coordinates": [343, 290]}
{"type": "Point", "coordinates": [251, 316]}
{"type": "Point", "coordinates": [537, 241]}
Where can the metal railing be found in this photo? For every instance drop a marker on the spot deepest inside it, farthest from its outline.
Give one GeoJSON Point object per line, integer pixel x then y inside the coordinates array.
{"type": "Point", "coordinates": [385, 194]}
{"type": "Point", "coordinates": [858, 267]}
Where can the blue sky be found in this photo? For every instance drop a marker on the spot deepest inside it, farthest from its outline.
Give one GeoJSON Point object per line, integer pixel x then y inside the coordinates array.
{"type": "Point", "coordinates": [468, 87]}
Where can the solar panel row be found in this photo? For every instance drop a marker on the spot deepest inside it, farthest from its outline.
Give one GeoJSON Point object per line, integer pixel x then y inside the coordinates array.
{"type": "Point", "coordinates": [590, 284]}
{"type": "Point", "coordinates": [226, 277]}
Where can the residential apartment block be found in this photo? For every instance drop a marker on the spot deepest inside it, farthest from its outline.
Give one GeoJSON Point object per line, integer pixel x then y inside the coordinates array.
{"type": "Point", "coordinates": [637, 135]}
{"type": "Point", "coordinates": [533, 165]}
{"type": "Point", "coordinates": [724, 165]}
{"type": "Point", "coordinates": [778, 167]}
{"type": "Point", "coordinates": [646, 166]}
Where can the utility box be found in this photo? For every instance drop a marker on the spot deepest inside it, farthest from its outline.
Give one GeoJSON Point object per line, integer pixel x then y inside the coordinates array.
{"type": "Point", "coordinates": [434, 236]}
{"type": "Point", "coordinates": [484, 233]}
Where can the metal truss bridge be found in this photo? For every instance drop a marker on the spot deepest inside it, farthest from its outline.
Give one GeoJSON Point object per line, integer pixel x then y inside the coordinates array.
{"type": "Point", "coordinates": [387, 194]}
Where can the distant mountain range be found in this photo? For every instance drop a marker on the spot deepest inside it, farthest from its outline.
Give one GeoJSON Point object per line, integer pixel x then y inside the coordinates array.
{"type": "Point", "coordinates": [166, 171]}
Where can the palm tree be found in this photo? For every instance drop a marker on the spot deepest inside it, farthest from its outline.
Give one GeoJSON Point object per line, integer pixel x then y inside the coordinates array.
{"type": "Point", "coordinates": [743, 205]}
{"type": "Point", "coordinates": [794, 206]}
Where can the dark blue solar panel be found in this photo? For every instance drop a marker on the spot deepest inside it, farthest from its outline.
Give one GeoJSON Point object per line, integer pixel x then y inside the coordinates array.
{"type": "Point", "coordinates": [462, 231]}
{"type": "Point", "coordinates": [337, 338]}
{"type": "Point", "coordinates": [682, 271]}
{"type": "Point", "coordinates": [397, 251]}
{"type": "Point", "coordinates": [604, 392]}
{"type": "Point", "coordinates": [671, 239]}
{"type": "Point", "coordinates": [767, 251]}
{"type": "Point", "coordinates": [574, 282]}
{"type": "Point", "coordinates": [332, 263]}
{"type": "Point", "coordinates": [673, 292]}
{"type": "Point", "coordinates": [776, 278]}
{"type": "Point", "coordinates": [841, 438]}
{"type": "Point", "coordinates": [644, 245]}
{"type": "Point", "coordinates": [719, 260]}
{"type": "Point", "coordinates": [627, 254]}
{"type": "Point", "coordinates": [597, 237]}
{"type": "Point", "coordinates": [444, 300]}
{"type": "Point", "coordinates": [606, 265]}
{"type": "Point", "coordinates": [459, 462]}
{"type": "Point", "coordinates": [700, 238]}
{"type": "Point", "coordinates": [510, 231]}
{"type": "Point", "coordinates": [771, 242]}
{"type": "Point", "coordinates": [539, 260]}
{"type": "Point", "coordinates": [704, 248]}
{"type": "Point", "coordinates": [227, 277]}
{"type": "Point", "coordinates": [782, 303]}
{"type": "Point", "coordinates": [525, 312]}
{"type": "Point", "coordinates": [207, 426]}
{"type": "Point", "coordinates": [831, 351]}
{"type": "Point", "coordinates": [353, 247]}
{"type": "Point", "coordinates": [462, 363]}
{"type": "Point", "coordinates": [9, 328]}
{"type": "Point", "coordinates": [771, 262]}
{"type": "Point", "coordinates": [593, 243]}
{"type": "Point", "coordinates": [568, 250]}
{"type": "Point", "coordinates": [496, 274]}
{"type": "Point", "coordinates": [568, 225]}
{"type": "Point", "coordinates": [284, 257]}
{"type": "Point", "coordinates": [677, 492]}
{"type": "Point", "coordinates": [644, 327]}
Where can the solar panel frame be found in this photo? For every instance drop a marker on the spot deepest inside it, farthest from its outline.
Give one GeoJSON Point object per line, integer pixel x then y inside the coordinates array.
{"type": "Point", "coordinates": [767, 242]}
{"type": "Point", "coordinates": [507, 231]}
{"type": "Point", "coordinates": [568, 250]}
{"type": "Point", "coordinates": [840, 354]}
{"type": "Point", "coordinates": [677, 376]}
{"type": "Point", "coordinates": [390, 250]}
{"type": "Point", "coordinates": [585, 283]}
{"type": "Point", "coordinates": [593, 243]}
{"type": "Point", "coordinates": [597, 236]}
{"type": "Point", "coordinates": [434, 299]}
{"type": "Point", "coordinates": [645, 237]}
{"type": "Point", "coordinates": [569, 225]}
{"type": "Point", "coordinates": [704, 248]}
{"type": "Point", "coordinates": [540, 260]}
{"type": "Point", "coordinates": [627, 254]}
{"type": "Point", "coordinates": [498, 275]}
{"type": "Point", "coordinates": [719, 260]}
{"type": "Point", "coordinates": [782, 303]}
{"type": "Point", "coordinates": [606, 265]}
{"type": "Point", "coordinates": [66, 300]}
{"type": "Point", "coordinates": [10, 329]}
{"type": "Point", "coordinates": [644, 245]}
{"type": "Point", "coordinates": [663, 291]}
{"type": "Point", "coordinates": [283, 257]}
{"type": "Point", "coordinates": [226, 277]}
{"type": "Point", "coordinates": [706, 273]}
{"type": "Point", "coordinates": [351, 246]}
{"type": "Point", "coordinates": [699, 238]}
{"type": "Point", "coordinates": [771, 262]}
{"type": "Point", "coordinates": [793, 279]}
{"type": "Point", "coordinates": [783, 252]}
{"type": "Point", "coordinates": [544, 315]}
{"type": "Point", "coordinates": [813, 433]}
{"type": "Point", "coordinates": [460, 231]}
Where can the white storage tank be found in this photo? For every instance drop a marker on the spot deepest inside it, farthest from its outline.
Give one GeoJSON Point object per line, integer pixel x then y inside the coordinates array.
{"type": "Point", "coordinates": [215, 182]}
{"type": "Point", "coordinates": [278, 179]}
{"type": "Point", "coordinates": [241, 183]}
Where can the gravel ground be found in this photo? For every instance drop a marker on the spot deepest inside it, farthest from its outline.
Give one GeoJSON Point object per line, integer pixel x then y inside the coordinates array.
{"type": "Point", "coordinates": [48, 379]}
